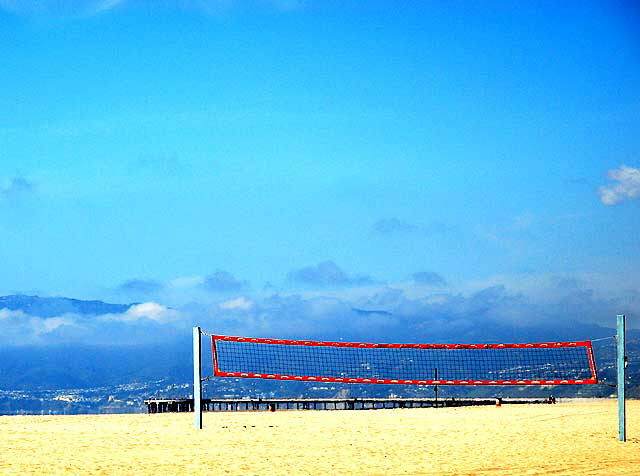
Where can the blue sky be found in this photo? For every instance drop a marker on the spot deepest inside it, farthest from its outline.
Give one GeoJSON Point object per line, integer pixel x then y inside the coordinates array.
{"type": "Point", "coordinates": [197, 153]}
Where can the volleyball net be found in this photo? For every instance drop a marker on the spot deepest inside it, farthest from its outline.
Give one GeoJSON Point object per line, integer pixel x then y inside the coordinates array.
{"type": "Point", "coordinates": [545, 363]}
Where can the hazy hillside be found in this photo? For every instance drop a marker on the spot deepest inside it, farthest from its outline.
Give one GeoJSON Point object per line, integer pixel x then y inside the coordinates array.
{"type": "Point", "coordinates": [57, 306]}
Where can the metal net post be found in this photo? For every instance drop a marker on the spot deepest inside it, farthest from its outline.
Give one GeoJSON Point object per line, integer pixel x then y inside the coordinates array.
{"type": "Point", "coordinates": [197, 377]}
{"type": "Point", "coordinates": [622, 371]}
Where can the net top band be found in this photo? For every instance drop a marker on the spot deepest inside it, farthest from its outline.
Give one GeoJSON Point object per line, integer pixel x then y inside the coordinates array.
{"type": "Point", "coordinates": [313, 343]}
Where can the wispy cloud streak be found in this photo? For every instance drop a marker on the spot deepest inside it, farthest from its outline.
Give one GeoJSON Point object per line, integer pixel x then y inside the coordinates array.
{"type": "Point", "coordinates": [89, 8]}
{"type": "Point", "coordinates": [626, 185]}
{"type": "Point", "coordinates": [326, 273]}
{"type": "Point", "coordinates": [17, 187]}
{"type": "Point", "coordinates": [59, 8]}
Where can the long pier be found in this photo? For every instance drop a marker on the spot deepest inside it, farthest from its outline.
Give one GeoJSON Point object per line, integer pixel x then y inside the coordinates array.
{"type": "Point", "coordinates": [160, 405]}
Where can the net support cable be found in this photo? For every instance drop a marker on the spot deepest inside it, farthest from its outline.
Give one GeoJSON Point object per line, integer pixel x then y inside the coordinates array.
{"type": "Point", "coordinates": [545, 363]}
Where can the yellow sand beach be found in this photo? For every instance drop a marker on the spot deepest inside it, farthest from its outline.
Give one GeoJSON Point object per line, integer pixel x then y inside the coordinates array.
{"type": "Point", "coordinates": [574, 438]}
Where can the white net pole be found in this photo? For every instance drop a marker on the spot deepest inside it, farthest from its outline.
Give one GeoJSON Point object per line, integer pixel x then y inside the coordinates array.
{"type": "Point", "coordinates": [197, 377]}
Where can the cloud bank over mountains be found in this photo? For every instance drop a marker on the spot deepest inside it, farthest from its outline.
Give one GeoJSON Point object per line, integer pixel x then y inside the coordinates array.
{"type": "Point", "coordinates": [30, 320]}
{"type": "Point", "coordinates": [555, 308]}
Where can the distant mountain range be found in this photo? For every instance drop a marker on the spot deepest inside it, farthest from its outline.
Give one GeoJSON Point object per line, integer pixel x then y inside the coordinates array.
{"type": "Point", "coordinates": [57, 306]}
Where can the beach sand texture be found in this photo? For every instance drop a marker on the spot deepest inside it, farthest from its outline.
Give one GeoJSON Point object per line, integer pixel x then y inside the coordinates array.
{"type": "Point", "coordinates": [565, 439]}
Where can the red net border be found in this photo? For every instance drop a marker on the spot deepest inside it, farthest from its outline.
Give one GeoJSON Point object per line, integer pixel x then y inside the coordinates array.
{"type": "Point", "coordinates": [310, 378]}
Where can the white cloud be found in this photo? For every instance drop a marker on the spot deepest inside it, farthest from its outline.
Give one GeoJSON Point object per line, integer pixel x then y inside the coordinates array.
{"type": "Point", "coordinates": [105, 5]}
{"type": "Point", "coordinates": [147, 310]}
{"type": "Point", "coordinates": [241, 304]}
{"type": "Point", "coordinates": [627, 185]}
{"type": "Point", "coordinates": [17, 327]}
{"type": "Point", "coordinates": [44, 326]}
{"type": "Point", "coordinates": [9, 314]}
{"type": "Point", "coordinates": [325, 307]}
